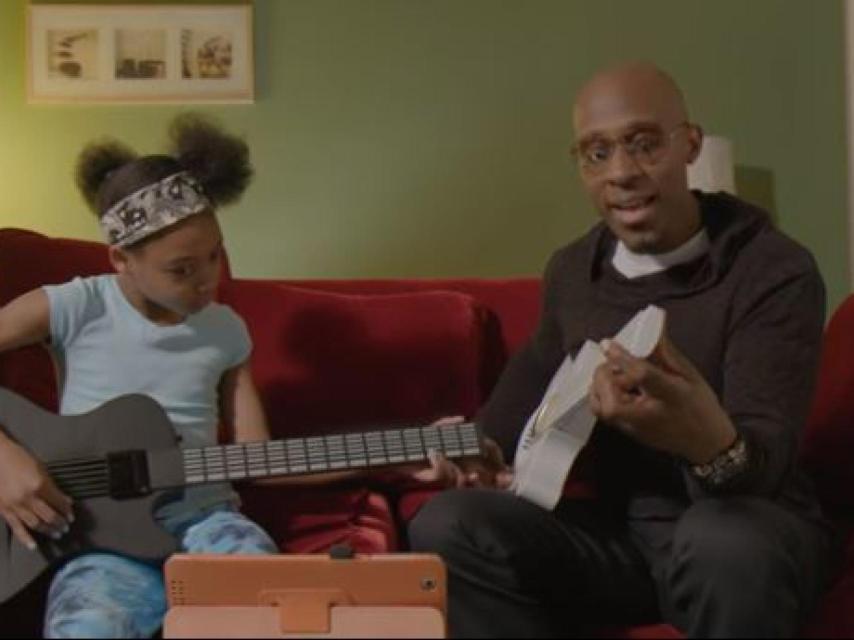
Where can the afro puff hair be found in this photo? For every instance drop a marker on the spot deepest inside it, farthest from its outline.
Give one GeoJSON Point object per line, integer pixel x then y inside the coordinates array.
{"type": "Point", "coordinates": [108, 171]}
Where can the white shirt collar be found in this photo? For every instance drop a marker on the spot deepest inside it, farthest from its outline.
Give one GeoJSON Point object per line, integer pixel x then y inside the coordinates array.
{"type": "Point", "coordinates": [634, 265]}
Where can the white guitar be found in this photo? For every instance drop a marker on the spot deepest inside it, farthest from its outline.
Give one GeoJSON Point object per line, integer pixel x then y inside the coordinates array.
{"type": "Point", "coordinates": [561, 425]}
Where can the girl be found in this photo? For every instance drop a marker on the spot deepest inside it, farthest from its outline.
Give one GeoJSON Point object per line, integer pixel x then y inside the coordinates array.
{"type": "Point", "coordinates": [153, 328]}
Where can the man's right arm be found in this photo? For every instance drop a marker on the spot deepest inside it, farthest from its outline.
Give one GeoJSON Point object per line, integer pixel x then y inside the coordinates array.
{"type": "Point", "coordinates": [526, 377]}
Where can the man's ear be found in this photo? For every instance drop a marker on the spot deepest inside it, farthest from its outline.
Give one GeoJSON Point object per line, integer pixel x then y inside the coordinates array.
{"type": "Point", "coordinates": [119, 258]}
{"type": "Point", "coordinates": [695, 141]}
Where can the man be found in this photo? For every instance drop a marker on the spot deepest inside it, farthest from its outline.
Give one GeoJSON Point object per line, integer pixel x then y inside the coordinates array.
{"type": "Point", "coordinates": [702, 518]}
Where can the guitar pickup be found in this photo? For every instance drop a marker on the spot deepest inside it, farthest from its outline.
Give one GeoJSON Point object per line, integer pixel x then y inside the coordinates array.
{"type": "Point", "coordinates": [128, 474]}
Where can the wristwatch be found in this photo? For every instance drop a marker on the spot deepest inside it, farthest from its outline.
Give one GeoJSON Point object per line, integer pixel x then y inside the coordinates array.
{"type": "Point", "coordinates": [728, 465]}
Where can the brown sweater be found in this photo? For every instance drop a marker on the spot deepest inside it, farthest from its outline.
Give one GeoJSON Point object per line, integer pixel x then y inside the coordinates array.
{"type": "Point", "coordinates": [749, 315]}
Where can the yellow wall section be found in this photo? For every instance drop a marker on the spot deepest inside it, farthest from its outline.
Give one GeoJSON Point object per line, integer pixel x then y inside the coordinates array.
{"type": "Point", "coordinates": [399, 138]}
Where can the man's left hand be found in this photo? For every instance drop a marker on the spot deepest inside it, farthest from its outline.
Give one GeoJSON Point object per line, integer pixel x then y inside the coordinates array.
{"type": "Point", "coordinates": [662, 402]}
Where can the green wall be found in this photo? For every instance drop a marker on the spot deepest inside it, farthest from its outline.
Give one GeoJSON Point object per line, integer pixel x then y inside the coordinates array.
{"type": "Point", "coordinates": [399, 138]}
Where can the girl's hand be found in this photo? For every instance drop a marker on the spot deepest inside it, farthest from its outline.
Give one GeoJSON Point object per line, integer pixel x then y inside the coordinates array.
{"type": "Point", "coordinates": [29, 500]}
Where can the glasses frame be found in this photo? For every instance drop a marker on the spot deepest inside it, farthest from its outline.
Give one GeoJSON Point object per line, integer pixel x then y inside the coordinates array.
{"type": "Point", "coordinates": [634, 153]}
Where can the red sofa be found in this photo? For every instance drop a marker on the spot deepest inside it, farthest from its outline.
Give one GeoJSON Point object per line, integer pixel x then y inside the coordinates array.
{"type": "Point", "coordinates": [355, 353]}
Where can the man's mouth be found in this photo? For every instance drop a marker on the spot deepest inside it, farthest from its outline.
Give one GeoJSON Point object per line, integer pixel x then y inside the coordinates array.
{"type": "Point", "coordinates": [633, 211]}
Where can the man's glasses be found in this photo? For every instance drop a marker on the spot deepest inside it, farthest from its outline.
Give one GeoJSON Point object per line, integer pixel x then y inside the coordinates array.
{"type": "Point", "coordinates": [647, 147]}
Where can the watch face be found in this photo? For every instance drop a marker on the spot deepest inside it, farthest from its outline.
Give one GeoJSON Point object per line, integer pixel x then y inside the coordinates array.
{"type": "Point", "coordinates": [726, 466]}
{"type": "Point", "coordinates": [702, 470]}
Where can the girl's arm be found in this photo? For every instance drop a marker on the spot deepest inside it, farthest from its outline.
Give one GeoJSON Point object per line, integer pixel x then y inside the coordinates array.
{"type": "Point", "coordinates": [25, 320]}
{"type": "Point", "coordinates": [243, 417]}
{"type": "Point", "coordinates": [29, 500]}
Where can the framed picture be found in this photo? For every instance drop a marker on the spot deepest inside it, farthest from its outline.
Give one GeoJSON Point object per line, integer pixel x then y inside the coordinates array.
{"type": "Point", "coordinates": [140, 53]}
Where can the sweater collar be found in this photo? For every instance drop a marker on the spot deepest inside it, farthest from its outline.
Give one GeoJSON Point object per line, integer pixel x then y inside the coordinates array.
{"type": "Point", "coordinates": [729, 224]}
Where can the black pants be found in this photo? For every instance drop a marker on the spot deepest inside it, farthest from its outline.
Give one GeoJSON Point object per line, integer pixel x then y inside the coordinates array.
{"type": "Point", "coordinates": [736, 567]}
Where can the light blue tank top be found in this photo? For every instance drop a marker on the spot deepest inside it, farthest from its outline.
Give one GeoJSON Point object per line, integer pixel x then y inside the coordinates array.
{"type": "Point", "coordinates": [106, 348]}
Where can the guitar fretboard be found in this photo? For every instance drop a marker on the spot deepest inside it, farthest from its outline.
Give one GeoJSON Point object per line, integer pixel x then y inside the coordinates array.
{"type": "Point", "coordinates": [319, 454]}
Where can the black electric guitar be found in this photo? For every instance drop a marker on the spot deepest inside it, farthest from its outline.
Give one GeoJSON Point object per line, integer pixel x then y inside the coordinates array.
{"type": "Point", "coordinates": [121, 461]}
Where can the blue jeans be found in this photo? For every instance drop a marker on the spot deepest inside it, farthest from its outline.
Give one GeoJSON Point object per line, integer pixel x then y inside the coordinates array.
{"type": "Point", "coordinates": [100, 595]}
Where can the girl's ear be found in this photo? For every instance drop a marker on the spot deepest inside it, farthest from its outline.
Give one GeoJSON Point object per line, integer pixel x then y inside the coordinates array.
{"type": "Point", "coordinates": [119, 259]}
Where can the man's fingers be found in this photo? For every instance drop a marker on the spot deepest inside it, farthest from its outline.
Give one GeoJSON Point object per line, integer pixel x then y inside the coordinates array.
{"type": "Point", "coordinates": [19, 530]}
{"type": "Point", "coordinates": [473, 479]}
{"type": "Point", "coordinates": [504, 479]}
{"type": "Point", "coordinates": [631, 373]}
{"type": "Point", "coordinates": [607, 396]}
{"type": "Point", "coordinates": [445, 471]}
{"type": "Point", "coordinates": [492, 454]}
{"type": "Point", "coordinates": [671, 359]}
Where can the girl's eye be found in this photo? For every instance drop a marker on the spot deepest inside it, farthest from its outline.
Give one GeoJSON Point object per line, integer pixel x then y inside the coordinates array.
{"type": "Point", "coordinates": [181, 272]}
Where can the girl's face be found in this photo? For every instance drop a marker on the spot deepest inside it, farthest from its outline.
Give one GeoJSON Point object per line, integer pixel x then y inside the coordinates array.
{"type": "Point", "coordinates": [174, 274]}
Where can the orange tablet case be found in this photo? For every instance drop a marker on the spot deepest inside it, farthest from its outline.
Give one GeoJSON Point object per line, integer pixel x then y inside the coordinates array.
{"type": "Point", "coordinates": [307, 596]}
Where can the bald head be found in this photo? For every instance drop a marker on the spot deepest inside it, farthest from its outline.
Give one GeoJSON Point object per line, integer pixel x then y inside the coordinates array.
{"type": "Point", "coordinates": [634, 143]}
{"type": "Point", "coordinates": [630, 91]}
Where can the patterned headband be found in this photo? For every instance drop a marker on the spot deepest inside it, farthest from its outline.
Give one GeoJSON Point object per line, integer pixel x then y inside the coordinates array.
{"type": "Point", "coordinates": [153, 208]}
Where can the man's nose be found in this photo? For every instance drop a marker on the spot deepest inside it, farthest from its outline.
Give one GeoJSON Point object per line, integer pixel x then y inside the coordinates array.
{"type": "Point", "coordinates": [623, 166]}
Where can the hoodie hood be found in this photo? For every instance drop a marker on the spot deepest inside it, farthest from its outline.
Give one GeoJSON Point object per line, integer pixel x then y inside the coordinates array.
{"type": "Point", "coordinates": [730, 224]}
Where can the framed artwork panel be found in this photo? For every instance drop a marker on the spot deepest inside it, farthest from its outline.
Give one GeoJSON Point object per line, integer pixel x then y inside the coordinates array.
{"type": "Point", "coordinates": [140, 53]}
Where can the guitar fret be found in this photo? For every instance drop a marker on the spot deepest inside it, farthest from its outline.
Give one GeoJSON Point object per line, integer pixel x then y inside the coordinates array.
{"type": "Point", "coordinates": [376, 451]}
{"type": "Point", "coordinates": [276, 458]}
{"type": "Point", "coordinates": [432, 440]}
{"type": "Point", "coordinates": [414, 445]}
{"type": "Point", "coordinates": [394, 446]}
{"type": "Point", "coordinates": [364, 444]}
{"type": "Point", "coordinates": [471, 446]}
{"type": "Point", "coordinates": [423, 444]}
{"type": "Point", "coordinates": [337, 452]}
{"type": "Point", "coordinates": [317, 454]}
{"type": "Point", "coordinates": [450, 443]}
{"type": "Point", "coordinates": [356, 456]}
{"type": "Point", "coordinates": [297, 458]}
{"type": "Point", "coordinates": [256, 459]}
{"type": "Point", "coordinates": [235, 462]}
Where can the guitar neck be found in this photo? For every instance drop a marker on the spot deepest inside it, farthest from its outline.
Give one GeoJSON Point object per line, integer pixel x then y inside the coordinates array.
{"type": "Point", "coordinates": [320, 454]}
{"type": "Point", "coordinates": [127, 474]}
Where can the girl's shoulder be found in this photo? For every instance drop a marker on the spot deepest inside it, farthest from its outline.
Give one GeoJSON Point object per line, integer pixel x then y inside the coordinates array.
{"type": "Point", "coordinates": [222, 318]}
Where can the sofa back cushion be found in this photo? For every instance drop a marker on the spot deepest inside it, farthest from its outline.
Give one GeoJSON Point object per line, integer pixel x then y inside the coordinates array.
{"type": "Point", "coordinates": [829, 439]}
{"type": "Point", "coordinates": [29, 260]}
{"type": "Point", "coordinates": [324, 361]}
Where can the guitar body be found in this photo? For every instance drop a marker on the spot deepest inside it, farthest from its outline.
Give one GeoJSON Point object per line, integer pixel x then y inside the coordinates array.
{"type": "Point", "coordinates": [125, 526]}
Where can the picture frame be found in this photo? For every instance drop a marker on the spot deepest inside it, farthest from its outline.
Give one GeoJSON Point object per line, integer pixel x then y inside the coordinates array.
{"type": "Point", "coordinates": [80, 53]}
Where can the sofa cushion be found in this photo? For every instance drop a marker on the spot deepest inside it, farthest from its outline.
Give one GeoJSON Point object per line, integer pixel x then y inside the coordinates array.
{"type": "Point", "coordinates": [829, 438]}
{"type": "Point", "coordinates": [312, 520]}
{"type": "Point", "coordinates": [29, 260]}
{"type": "Point", "coordinates": [325, 361]}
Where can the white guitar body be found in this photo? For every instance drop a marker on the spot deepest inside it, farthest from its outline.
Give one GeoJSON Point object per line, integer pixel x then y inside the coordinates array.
{"type": "Point", "coordinates": [562, 424]}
